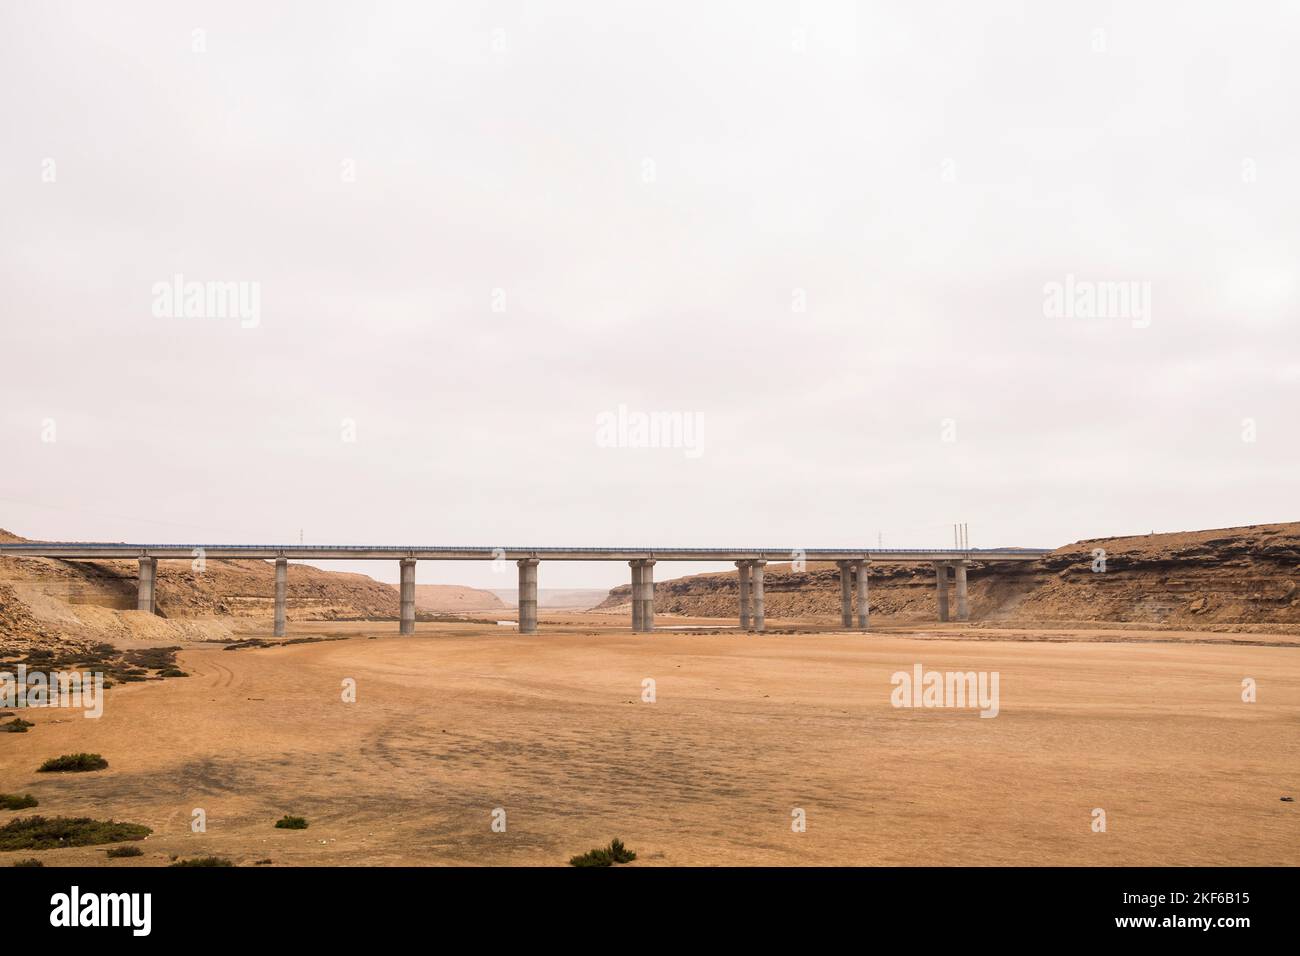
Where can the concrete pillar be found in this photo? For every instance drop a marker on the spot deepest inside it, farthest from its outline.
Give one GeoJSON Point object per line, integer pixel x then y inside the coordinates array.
{"type": "Point", "coordinates": [963, 607]}
{"type": "Point", "coordinates": [145, 599]}
{"type": "Point", "coordinates": [758, 594]}
{"type": "Point", "coordinates": [941, 584]}
{"type": "Point", "coordinates": [864, 606]}
{"type": "Point", "coordinates": [408, 596]}
{"type": "Point", "coordinates": [528, 595]}
{"type": "Point", "coordinates": [846, 595]}
{"type": "Point", "coordinates": [281, 588]}
{"type": "Point", "coordinates": [745, 570]}
{"type": "Point", "coordinates": [647, 595]}
{"type": "Point", "coordinates": [636, 594]}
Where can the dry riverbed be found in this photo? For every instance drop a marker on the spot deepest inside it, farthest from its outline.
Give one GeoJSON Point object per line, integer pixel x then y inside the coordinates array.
{"type": "Point", "coordinates": [460, 721]}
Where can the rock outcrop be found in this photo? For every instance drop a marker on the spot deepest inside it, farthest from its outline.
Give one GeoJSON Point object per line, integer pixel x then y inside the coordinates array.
{"type": "Point", "coordinates": [1238, 578]}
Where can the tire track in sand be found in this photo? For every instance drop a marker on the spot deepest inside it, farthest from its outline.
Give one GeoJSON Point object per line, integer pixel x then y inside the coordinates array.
{"type": "Point", "coordinates": [220, 675]}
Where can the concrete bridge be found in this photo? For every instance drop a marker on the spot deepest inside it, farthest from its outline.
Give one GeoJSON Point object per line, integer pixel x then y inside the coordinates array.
{"type": "Point", "coordinates": [750, 562]}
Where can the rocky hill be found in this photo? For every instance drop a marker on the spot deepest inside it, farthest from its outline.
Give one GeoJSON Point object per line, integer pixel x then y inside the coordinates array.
{"type": "Point", "coordinates": [451, 598]}
{"type": "Point", "coordinates": [44, 600]}
{"type": "Point", "coordinates": [1233, 578]}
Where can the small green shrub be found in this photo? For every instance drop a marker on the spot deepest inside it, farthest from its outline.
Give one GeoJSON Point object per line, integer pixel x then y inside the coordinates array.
{"type": "Point", "coordinates": [16, 726]}
{"type": "Point", "coordinates": [616, 852]}
{"type": "Point", "coordinates": [30, 861]}
{"type": "Point", "coordinates": [204, 861]}
{"type": "Point", "coordinates": [41, 833]}
{"type": "Point", "coordinates": [291, 823]}
{"type": "Point", "coordinates": [11, 801]}
{"type": "Point", "coordinates": [120, 851]}
{"type": "Point", "coordinates": [73, 763]}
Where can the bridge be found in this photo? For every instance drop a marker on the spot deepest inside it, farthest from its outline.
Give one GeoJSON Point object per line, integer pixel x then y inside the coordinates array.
{"type": "Point", "coordinates": [853, 570]}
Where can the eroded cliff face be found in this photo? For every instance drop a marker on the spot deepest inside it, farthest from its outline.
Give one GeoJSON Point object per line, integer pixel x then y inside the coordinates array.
{"type": "Point", "coordinates": [1235, 577]}
{"type": "Point", "coordinates": [1232, 576]}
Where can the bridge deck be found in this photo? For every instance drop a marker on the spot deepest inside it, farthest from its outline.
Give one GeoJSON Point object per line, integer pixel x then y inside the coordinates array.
{"type": "Point", "coordinates": [298, 552]}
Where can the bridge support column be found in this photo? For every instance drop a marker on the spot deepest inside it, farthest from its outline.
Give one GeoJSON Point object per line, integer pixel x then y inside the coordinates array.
{"type": "Point", "coordinates": [528, 595]}
{"type": "Point", "coordinates": [757, 583]}
{"type": "Point", "coordinates": [963, 607]}
{"type": "Point", "coordinates": [744, 570]}
{"type": "Point", "coordinates": [145, 599]}
{"type": "Point", "coordinates": [647, 595]}
{"type": "Point", "coordinates": [281, 588]}
{"type": "Point", "coordinates": [864, 607]}
{"type": "Point", "coordinates": [846, 594]}
{"type": "Point", "coordinates": [941, 585]}
{"type": "Point", "coordinates": [636, 594]}
{"type": "Point", "coordinates": [407, 625]}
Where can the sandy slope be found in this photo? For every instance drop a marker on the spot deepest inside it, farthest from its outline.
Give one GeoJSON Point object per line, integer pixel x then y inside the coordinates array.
{"type": "Point", "coordinates": [462, 719]}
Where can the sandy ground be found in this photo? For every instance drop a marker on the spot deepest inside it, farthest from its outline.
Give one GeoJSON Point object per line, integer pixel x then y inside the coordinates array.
{"type": "Point", "coordinates": [459, 720]}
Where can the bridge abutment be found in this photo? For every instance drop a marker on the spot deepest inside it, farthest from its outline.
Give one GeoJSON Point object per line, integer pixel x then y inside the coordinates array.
{"type": "Point", "coordinates": [528, 595]}
{"type": "Point", "coordinates": [647, 595]}
{"type": "Point", "coordinates": [846, 594]}
{"type": "Point", "coordinates": [407, 624]}
{"type": "Point", "coordinates": [941, 588]}
{"type": "Point", "coordinates": [281, 589]}
{"type": "Point", "coordinates": [743, 572]}
{"type": "Point", "coordinates": [145, 598]}
{"type": "Point", "coordinates": [864, 607]}
{"type": "Point", "coordinates": [963, 605]}
{"type": "Point", "coordinates": [635, 599]}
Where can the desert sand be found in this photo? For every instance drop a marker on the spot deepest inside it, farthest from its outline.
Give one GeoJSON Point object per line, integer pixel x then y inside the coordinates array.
{"type": "Point", "coordinates": [460, 720]}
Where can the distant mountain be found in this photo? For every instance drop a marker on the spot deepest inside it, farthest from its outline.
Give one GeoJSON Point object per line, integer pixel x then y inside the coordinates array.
{"type": "Point", "coordinates": [455, 597]}
{"type": "Point", "coordinates": [563, 599]}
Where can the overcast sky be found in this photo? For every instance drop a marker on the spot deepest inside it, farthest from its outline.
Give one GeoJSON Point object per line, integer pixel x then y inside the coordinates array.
{"type": "Point", "coordinates": [823, 235]}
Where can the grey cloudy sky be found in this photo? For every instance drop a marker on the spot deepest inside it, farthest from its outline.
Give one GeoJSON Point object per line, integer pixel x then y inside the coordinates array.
{"type": "Point", "coordinates": [822, 230]}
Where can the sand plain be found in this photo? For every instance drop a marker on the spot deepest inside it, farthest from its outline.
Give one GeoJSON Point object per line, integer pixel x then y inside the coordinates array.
{"type": "Point", "coordinates": [462, 719]}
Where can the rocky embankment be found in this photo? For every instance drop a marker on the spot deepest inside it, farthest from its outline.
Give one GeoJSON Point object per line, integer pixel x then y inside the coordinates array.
{"type": "Point", "coordinates": [1234, 578]}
